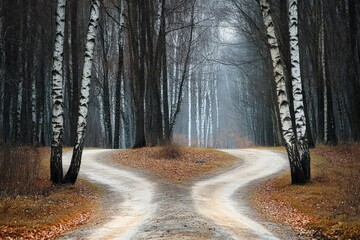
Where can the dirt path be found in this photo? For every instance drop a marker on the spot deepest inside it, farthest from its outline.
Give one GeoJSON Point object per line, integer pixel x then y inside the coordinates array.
{"type": "Point", "coordinates": [128, 202]}
{"type": "Point", "coordinates": [221, 199]}
{"type": "Point", "coordinates": [147, 207]}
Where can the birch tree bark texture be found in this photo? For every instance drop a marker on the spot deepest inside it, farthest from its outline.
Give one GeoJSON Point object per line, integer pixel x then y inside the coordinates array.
{"type": "Point", "coordinates": [298, 171]}
{"type": "Point", "coordinates": [56, 170]}
{"type": "Point", "coordinates": [300, 119]}
{"type": "Point", "coordinates": [74, 168]}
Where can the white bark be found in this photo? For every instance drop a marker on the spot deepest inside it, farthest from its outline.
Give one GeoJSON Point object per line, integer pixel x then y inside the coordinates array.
{"type": "Point", "coordinates": [86, 75]}
{"type": "Point", "coordinates": [57, 76]}
{"type": "Point", "coordinates": [283, 100]}
{"type": "Point", "coordinates": [300, 121]}
{"type": "Point", "coordinates": [297, 148]}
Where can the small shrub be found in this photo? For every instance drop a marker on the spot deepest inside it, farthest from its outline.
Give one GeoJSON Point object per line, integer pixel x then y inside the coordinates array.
{"type": "Point", "coordinates": [170, 151]}
{"type": "Point", "coordinates": [19, 170]}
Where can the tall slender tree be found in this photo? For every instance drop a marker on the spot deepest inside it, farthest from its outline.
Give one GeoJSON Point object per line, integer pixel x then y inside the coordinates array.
{"type": "Point", "coordinates": [299, 173]}
{"type": "Point", "coordinates": [297, 91]}
{"type": "Point", "coordinates": [56, 169]}
{"type": "Point", "coordinates": [74, 168]}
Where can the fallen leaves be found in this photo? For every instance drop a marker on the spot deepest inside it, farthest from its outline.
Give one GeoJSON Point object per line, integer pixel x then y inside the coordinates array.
{"type": "Point", "coordinates": [49, 214]}
{"type": "Point", "coordinates": [183, 166]}
{"type": "Point", "coordinates": [46, 217]}
{"type": "Point", "coordinates": [315, 210]}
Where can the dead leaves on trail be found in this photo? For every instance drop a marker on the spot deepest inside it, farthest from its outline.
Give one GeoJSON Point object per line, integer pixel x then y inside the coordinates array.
{"type": "Point", "coordinates": [175, 163]}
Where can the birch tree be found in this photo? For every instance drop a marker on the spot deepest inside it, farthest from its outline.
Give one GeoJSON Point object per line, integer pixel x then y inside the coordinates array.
{"type": "Point", "coordinates": [298, 170]}
{"type": "Point", "coordinates": [297, 91]}
{"type": "Point", "coordinates": [56, 169]}
{"type": "Point", "coordinates": [74, 168]}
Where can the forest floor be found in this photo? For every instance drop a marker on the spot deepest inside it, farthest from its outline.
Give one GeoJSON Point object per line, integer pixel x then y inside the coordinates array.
{"type": "Point", "coordinates": [167, 192]}
{"type": "Point", "coordinates": [326, 208]}
{"type": "Point", "coordinates": [182, 194]}
{"type": "Point", "coordinates": [48, 211]}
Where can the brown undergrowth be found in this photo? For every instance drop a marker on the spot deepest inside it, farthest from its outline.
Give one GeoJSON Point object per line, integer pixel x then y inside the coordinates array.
{"type": "Point", "coordinates": [43, 211]}
{"type": "Point", "coordinates": [174, 163]}
{"type": "Point", "coordinates": [328, 207]}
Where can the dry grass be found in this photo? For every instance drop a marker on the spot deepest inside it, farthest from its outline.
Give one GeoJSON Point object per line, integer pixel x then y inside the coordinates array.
{"type": "Point", "coordinates": [174, 163]}
{"type": "Point", "coordinates": [19, 170]}
{"type": "Point", "coordinates": [328, 207]}
{"type": "Point", "coordinates": [48, 211]}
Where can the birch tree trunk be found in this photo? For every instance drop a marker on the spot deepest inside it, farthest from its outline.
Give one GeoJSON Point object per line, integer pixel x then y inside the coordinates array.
{"type": "Point", "coordinates": [74, 168]}
{"type": "Point", "coordinates": [300, 119]}
{"type": "Point", "coordinates": [56, 170]}
{"type": "Point", "coordinates": [298, 175]}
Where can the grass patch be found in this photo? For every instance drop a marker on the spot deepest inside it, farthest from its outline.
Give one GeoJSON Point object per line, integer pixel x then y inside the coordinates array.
{"type": "Point", "coordinates": [19, 170]}
{"type": "Point", "coordinates": [45, 211]}
{"type": "Point", "coordinates": [174, 163]}
{"type": "Point", "coordinates": [328, 207]}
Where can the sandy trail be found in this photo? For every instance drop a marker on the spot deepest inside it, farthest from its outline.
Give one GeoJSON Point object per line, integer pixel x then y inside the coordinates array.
{"type": "Point", "coordinates": [214, 198]}
{"type": "Point", "coordinates": [129, 198]}
{"type": "Point", "coordinates": [138, 207]}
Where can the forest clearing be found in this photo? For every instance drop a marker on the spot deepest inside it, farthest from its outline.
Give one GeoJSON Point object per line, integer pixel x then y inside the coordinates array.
{"type": "Point", "coordinates": [164, 119]}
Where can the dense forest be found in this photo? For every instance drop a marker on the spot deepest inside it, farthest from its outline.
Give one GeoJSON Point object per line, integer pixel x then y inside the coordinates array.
{"type": "Point", "coordinates": [196, 72]}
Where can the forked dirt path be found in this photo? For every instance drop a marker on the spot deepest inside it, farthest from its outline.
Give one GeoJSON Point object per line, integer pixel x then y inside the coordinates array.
{"type": "Point", "coordinates": [128, 202]}
{"type": "Point", "coordinates": [142, 206]}
{"type": "Point", "coordinates": [222, 198]}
